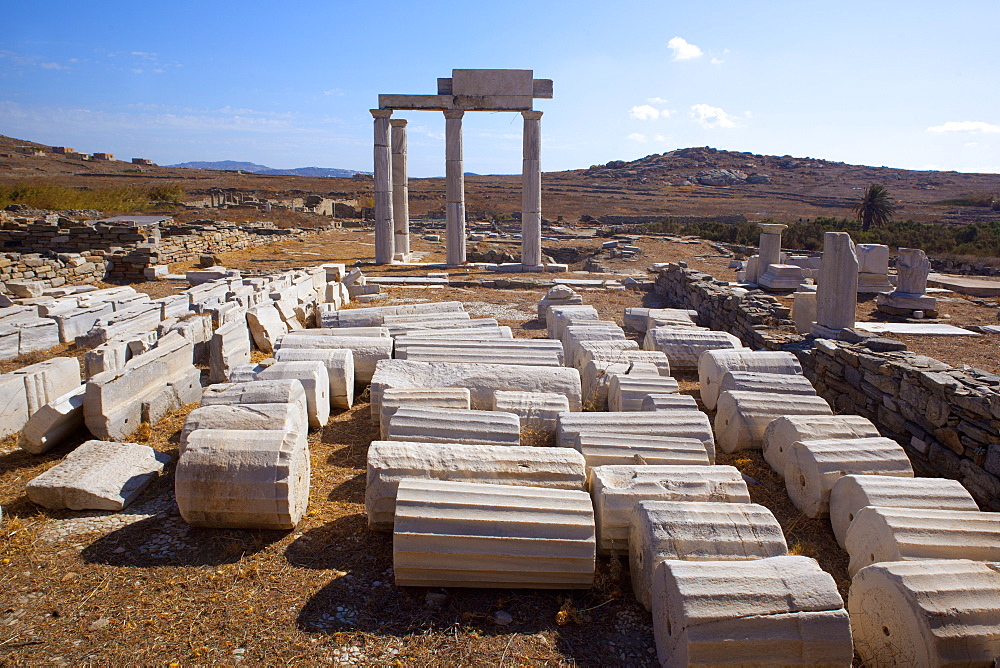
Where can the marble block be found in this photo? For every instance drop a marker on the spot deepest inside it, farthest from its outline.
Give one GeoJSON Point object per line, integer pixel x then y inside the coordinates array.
{"type": "Point", "coordinates": [904, 534]}
{"type": "Point", "coordinates": [781, 277]}
{"type": "Point", "coordinates": [461, 534]}
{"type": "Point", "coordinates": [684, 347]}
{"type": "Point", "coordinates": [700, 531]}
{"type": "Point", "coordinates": [742, 417]}
{"type": "Point", "coordinates": [937, 612]}
{"type": "Point", "coordinates": [778, 611]}
{"type": "Point", "coordinates": [238, 479]}
{"type": "Point", "coordinates": [450, 425]}
{"type": "Point", "coordinates": [98, 475]}
{"type": "Point", "coordinates": [782, 432]}
{"type": "Point", "coordinates": [812, 467]}
{"type": "Point", "coordinates": [616, 489]}
{"type": "Point", "coordinates": [853, 492]}
{"type": "Point", "coordinates": [389, 462]}
{"type": "Point", "coordinates": [714, 364]}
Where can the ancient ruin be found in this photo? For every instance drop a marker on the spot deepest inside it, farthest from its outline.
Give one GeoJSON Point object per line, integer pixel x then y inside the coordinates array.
{"type": "Point", "coordinates": [466, 90]}
{"type": "Point", "coordinates": [353, 452]}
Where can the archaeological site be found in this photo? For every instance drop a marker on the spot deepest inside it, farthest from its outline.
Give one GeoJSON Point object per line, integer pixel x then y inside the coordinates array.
{"type": "Point", "coordinates": [416, 434]}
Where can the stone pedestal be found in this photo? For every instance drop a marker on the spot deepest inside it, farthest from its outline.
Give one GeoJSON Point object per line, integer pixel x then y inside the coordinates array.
{"type": "Point", "coordinates": [455, 187]}
{"type": "Point", "coordinates": [837, 293]}
{"type": "Point", "coordinates": [384, 241]}
{"type": "Point", "coordinates": [531, 191]}
{"type": "Point", "coordinates": [904, 304]}
{"type": "Point", "coordinates": [869, 283]}
{"type": "Point", "coordinates": [781, 277]}
{"type": "Point", "coordinates": [400, 191]}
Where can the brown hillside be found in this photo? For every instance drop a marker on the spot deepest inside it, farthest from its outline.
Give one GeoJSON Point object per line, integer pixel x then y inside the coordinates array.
{"type": "Point", "coordinates": [669, 184]}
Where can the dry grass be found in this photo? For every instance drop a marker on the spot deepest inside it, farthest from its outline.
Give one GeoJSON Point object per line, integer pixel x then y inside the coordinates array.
{"type": "Point", "coordinates": [219, 596]}
{"type": "Point", "coordinates": [277, 597]}
{"type": "Point", "coordinates": [103, 591]}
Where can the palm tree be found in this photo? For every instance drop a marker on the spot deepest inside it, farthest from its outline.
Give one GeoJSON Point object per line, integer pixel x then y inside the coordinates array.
{"type": "Point", "coordinates": [875, 207]}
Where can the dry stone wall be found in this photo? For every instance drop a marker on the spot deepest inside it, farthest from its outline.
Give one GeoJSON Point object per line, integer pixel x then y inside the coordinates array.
{"type": "Point", "coordinates": [119, 251]}
{"type": "Point", "coordinates": [946, 418]}
{"type": "Point", "coordinates": [53, 271]}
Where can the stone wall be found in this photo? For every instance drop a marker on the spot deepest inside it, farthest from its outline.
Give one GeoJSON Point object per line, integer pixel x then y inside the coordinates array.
{"type": "Point", "coordinates": [53, 271]}
{"type": "Point", "coordinates": [727, 218]}
{"type": "Point", "coordinates": [964, 268]}
{"type": "Point", "coordinates": [748, 315]}
{"type": "Point", "coordinates": [947, 419]}
{"type": "Point", "coordinates": [123, 250]}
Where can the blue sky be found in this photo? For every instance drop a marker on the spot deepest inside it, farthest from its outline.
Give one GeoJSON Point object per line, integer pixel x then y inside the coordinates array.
{"type": "Point", "coordinates": [904, 84]}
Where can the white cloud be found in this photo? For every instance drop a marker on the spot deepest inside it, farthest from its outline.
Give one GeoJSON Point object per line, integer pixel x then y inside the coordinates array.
{"type": "Point", "coordinates": [717, 61]}
{"type": "Point", "coordinates": [965, 126]}
{"type": "Point", "coordinates": [644, 112]}
{"type": "Point", "coordinates": [971, 144]}
{"type": "Point", "coordinates": [710, 117]}
{"type": "Point", "coordinates": [683, 50]}
{"type": "Point", "coordinates": [635, 136]}
{"type": "Point", "coordinates": [647, 112]}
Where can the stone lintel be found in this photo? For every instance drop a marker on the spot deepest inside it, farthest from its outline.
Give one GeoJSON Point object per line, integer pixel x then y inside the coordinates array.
{"type": "Point", "coordinates": [416, 102]}
{"type": "Point", "coordinates": [462, 102]}
{"type": "Point", "coordinates": [492, 102]}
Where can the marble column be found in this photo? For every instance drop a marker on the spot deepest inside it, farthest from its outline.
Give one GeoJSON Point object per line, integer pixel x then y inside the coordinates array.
{"type": "Point", "coordinates": [770, 245]}
{"type": "Point", "coordinates": [771, 274]}
{"type": "Point", "coordinates": [400, 191]}
{"type": "Point", "coordinates": [384, 243]}
{"type": "Point", "coordinates": [455, 188]}
{"type": "Point", "coordinates": [531, 191]}
{"type": "Point", "coordinates": [837, 292]}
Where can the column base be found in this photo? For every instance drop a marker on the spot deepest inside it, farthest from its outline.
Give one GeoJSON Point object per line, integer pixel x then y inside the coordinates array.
{"type": "Point", "coordinates": [402, 257]}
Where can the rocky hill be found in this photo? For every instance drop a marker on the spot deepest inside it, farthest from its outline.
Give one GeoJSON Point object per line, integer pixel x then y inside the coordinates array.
{"type": "Point", "coordinates": [699, 182]}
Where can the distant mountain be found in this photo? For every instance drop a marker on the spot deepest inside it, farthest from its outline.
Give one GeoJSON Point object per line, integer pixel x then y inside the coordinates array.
{"type": "Point", "coordinates": [254, 168]}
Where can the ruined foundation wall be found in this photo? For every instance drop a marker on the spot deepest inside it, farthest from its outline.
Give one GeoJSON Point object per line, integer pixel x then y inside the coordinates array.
{"type": "Point", "coordinates": [946, 418]}
{"type": "Point", "coordinates": [118, 252]}
{"type": "Point", "coordinates": [54, 271]}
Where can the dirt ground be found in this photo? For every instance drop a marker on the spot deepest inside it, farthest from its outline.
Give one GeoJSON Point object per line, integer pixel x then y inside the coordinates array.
{"type": "Point", "coordinates": [142, 587]}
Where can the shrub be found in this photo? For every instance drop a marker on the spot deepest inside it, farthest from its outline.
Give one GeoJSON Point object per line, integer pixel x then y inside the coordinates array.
{"type": "Point", "coordinates": [111, 199]}
{"type": "Point", "coordinates": [979, 199]}
{"type": "Point", "coordinates": [974, 239]}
